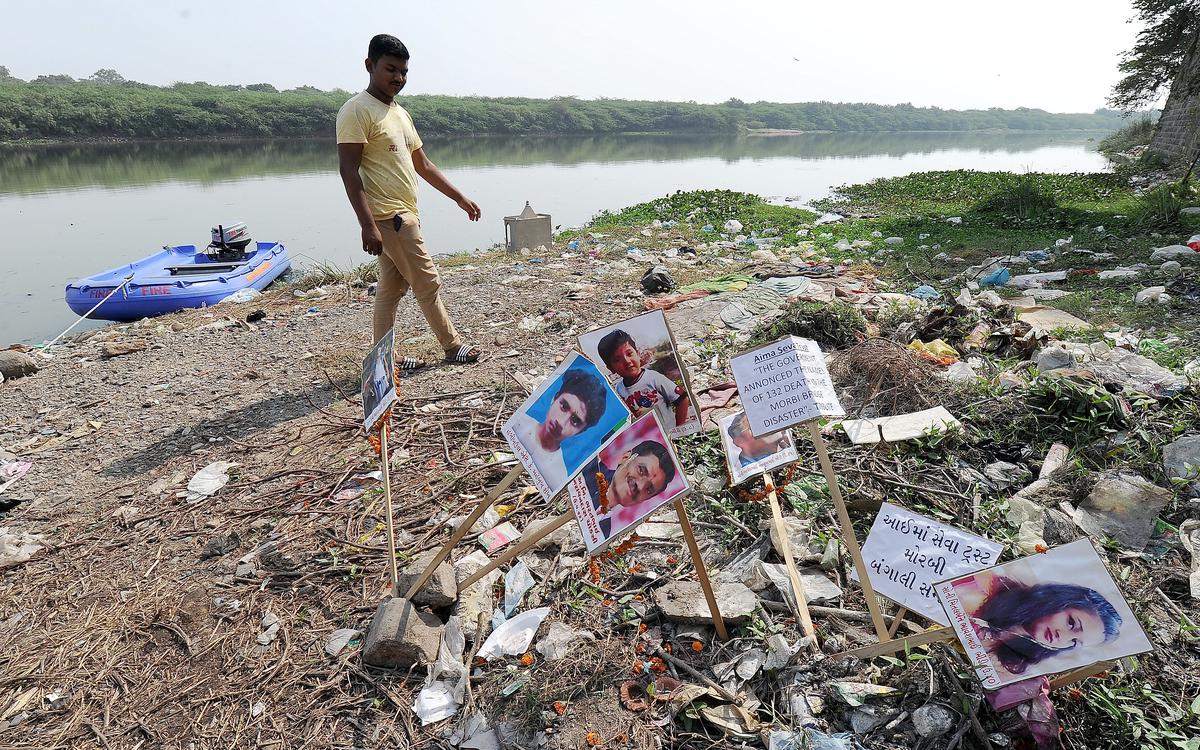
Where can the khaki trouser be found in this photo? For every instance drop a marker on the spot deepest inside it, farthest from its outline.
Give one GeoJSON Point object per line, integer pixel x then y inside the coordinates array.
{"type": "Point", "coordinates": [405, 264]}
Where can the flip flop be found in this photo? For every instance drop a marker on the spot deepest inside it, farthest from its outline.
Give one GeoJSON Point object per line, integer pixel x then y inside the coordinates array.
{"type": "Point", "coordinates": [464, 355]}
{"type": "Point", "coordinates": [408, 364]}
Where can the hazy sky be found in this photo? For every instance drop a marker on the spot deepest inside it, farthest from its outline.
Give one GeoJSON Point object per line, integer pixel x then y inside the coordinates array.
{"type": "Point", "coordinates": [1058, 55]}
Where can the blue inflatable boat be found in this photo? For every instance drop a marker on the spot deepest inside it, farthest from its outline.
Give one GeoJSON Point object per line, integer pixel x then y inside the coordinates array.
{"type": "Point", "coordinates": [177, 278]}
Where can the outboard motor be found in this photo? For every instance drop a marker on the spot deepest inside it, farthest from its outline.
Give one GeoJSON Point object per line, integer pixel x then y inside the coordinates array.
{"type": "Point", "coordinates": [229, 242]}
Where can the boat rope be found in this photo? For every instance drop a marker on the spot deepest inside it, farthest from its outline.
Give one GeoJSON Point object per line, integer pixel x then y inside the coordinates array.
{"type": "Point", "coordinates": [83, 317]}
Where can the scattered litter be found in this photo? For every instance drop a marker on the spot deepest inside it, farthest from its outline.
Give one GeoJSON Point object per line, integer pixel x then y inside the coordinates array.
{"type": "Point", "coordinates": [11, 471]}
{"type": "Point", "coordinates": [1189, 534]}
{"type": "Point", "coordinates": [208, 480]}
{"type": "Point", "coordinates": [495, 538]}
{"type": "Point", "coordinates": [556, 644]}
{"type": "Point", "coordinates": [242, 295]}
{"type": "Point", "coordinates": [1181, 463]}
{"type": "Point", "coordinates": [17, 547]}
{"type": "Point", "coordinates": [340, 639]}
{"type": "Point", "coordinates": [1123, 506]}
{"type": "Point", "coordinates": [658, 280]}
{"type": "Point", "coordinates": [857, 693]}
{"type": "Point", "coordinates": [1048, 318]}
{"type": "Point", "coordinates": [936, 351]}
{"type": "Point", "coordinates": [514, 636]}
{"type": "Point", "coordinates": [900, 427]}
{"type": "Point", "coordinates": [517, 582]}
{"type": "Point", "coordinates": [925, 292]}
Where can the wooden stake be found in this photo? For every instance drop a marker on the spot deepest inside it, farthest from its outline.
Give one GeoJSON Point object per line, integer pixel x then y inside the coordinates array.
{"type": "Point", "coordinates": [387, 499]}
{"type": "Point", "coordinates": [701, 572]}
{"type": "Point", "coordinates": [1078, 675]}
{"type": "Point", "coordinates": [518, 548]}
{"type": "Point", "coordinates": [932, 635]}
{"type": "Point", "coordinates": [462, 529]}
{"type": "Point", "coordinates": [800, 603]}
{"type": "Point", "coordinates": [848, 534]}
{"type": "Point", "coordinates": [897, 621]}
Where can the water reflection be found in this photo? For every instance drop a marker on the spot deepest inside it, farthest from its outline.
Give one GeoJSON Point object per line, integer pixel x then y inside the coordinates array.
{"type": "Point", "coordinates": [44, 168]}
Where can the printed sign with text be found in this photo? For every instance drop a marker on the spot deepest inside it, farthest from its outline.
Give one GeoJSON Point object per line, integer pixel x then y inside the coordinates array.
{"type": "Point", "coordinates": [784, 384]}
{"type": "Point", "coordinates": [907, 553]}
{"type": "Point", "coordinates": [1041, 615]}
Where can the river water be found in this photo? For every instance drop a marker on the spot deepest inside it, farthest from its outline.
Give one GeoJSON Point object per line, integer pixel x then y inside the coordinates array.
{"type": "Point", "coordinates": [68, 211]}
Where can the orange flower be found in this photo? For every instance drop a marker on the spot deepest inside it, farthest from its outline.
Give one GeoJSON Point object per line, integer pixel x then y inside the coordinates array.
{"type": "Point", "coordinates": [526, 659]}
{"type": "Point", "coordinates": [560, 708]}
{"type": "Point", "coordinates": [639, 648]}
{"type": "Point", "coordinates": [594, 570]}
{"type": "Point", "coordinates": [593, 739]}
{"type": "Point", "coordinates": [672, 560]}
{"type": "Point", "coordinates": [607, 602]}
{"type": "Point", "coordinates": [657, 665]}
{"type": "Point", "coordinates": [602, 489]}
{"type": "Point", "coordinates": [697, 646]}
{"type": "Point", "coordinates": [635, 569]}
{"type": "Point", "coordinates": [667, 647]}
{"type": "Point", "coordinates": [1040, 548]}
{"type": "Point", "coordinates": [642, 627]}
{"type": "Point", "coordinates": [1075, 694]}
{"type": "Point", "coordinates": [638, 666]}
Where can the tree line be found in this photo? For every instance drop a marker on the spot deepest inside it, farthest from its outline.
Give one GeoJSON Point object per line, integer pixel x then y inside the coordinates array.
{"type": "Point", "coordinates": [106, 105]}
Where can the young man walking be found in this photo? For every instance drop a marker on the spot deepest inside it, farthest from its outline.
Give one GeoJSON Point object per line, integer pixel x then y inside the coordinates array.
{"type": "Point", "coordinates": [380, 156]}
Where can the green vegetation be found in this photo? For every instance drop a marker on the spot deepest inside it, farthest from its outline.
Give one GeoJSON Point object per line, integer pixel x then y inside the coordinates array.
{"type": "Point", "coordinates": [108, 106]}
{"type": "Point", "coordinates": [832, 325]}
{"type": "Point", "coordinates": [1137, 133]}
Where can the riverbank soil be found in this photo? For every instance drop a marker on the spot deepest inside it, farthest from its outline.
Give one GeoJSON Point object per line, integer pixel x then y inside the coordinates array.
{"type": "Point", "coordinates": [156, 611]}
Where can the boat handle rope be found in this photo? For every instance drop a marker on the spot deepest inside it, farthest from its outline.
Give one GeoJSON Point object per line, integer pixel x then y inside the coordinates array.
{"type": "Point", "coordinates": [83, 317]}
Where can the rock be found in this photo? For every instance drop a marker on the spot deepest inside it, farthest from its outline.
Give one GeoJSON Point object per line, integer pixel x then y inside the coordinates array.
{"type": "Point", "coordinates": [1058, 528]}
{"type": "Point", "coordinates": [894, 241]}
{"type": "Point", "coordinates": [246, 570]}
{"type": "Point", "coordinates": [1192, 371]}
{"type": "Point", "coordinates": [15, 364]}
{"type": "Point", "coordinates": [1181, 253]}
{"type": "Point", "coordinates": [658, 531]}
{"type": "Point", "coordinates": [401, 636]}
{"type": "Point", "coordinates": [441, 590]}
{"type": "Point", "coordinates": [566, 538]}
{"type": "Point", "coordinates": [477, 598]}
{"type": "Point", "coordinates": [764, 256]}
{"type": "Point", "coordinates": [1043, 295]}
{"type": "Point", "coordinates": [1123, 506]}
{"type": "Point", "coordinates": [732, 226]}
{"type": "Point", "coordinates": [956, 220]}
{"type": "Point", "coordinates": [933, 720]}
{"type": "Point", "coordinates": [683, 601]}
{"type": "Point", "coordinates": [864, 720]}
{"type": "Point", "coordinates": [1181, 461]}
{"type": "Point", "coordinates": [1150, 294]}
{"type": "Point", "coordinates": [1171, 268]}
{"type": "Point", "coordinates": [110, 349]}
{"type": "Point", "coordinates": [339, 639]}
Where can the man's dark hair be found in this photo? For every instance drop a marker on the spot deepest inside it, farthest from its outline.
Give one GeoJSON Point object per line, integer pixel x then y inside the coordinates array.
{"type": "Point", "coordinates": [386, 44]}
{"type": "Point", "coordinates": [587, 388]}
{"type": "Point", "coordinates": [739, 425]}
{"type": "Point", "coordinates": [659, 451]}
{"type": "Point", "coordinates": [611, 342]}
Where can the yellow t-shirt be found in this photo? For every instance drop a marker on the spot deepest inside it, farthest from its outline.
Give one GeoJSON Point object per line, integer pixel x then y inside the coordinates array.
{"type": "Point", "coordinates": [389, 139]}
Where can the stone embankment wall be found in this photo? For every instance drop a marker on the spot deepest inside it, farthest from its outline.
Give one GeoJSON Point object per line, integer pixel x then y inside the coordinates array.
{"type": "Point", "coordinates": [1178, 133]}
